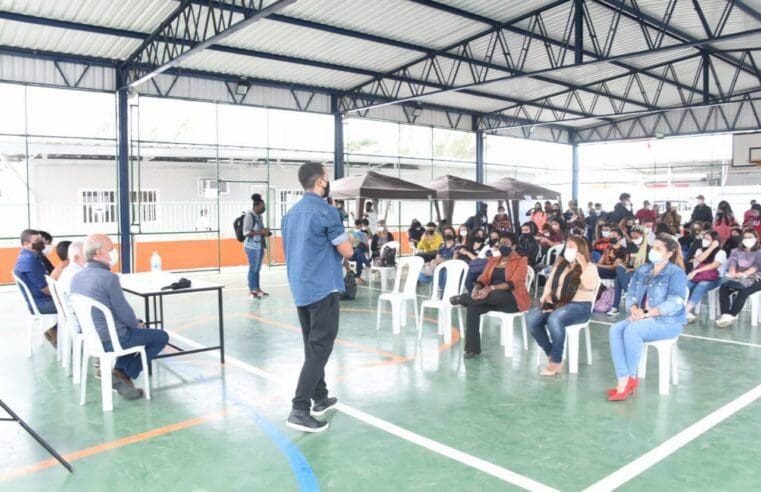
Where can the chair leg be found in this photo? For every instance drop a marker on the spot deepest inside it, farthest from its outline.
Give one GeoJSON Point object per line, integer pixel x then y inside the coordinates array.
{"type": "Point", "coordinates": [675, 364]}
{"type": "Point", "coordinates": [106, 387]}
{"type": "Point", "coordinates": [664, 371]}
{"type": "Point", "coordinates": [507, 333]}
{"type": "Point", "coordinates": [462, 325]}
{"type": "Point", "coordinates": [146, 376]}
{"type": "Point", "coordinates": [754, 310]}
{"type": "Point", "coordinates": [446, 324]}
{"type": "Point", "coordinates": [525, 332]}
{"type": "Point", "coordinates": [383, 279]}
{"type": "Point", "coordinates": [66, 352]}
{"type": "Point", "coordinates": [420, 323]}
{"type": "Point", "coordinates": [572, 345]}
{"type": "Point", "coordinates": [403, 310]}
{"type": "Point", "coordinates": [481, 326]}
{"type": "Point", "coordinates": [396, 313]}
{"type": "Point", "coordinates": [377, 321]}
{"type": "Point", "coordinates": [642, 371]}
{"type": "Point", "coordinates": [32, 327]}
{"type": "Point", "coordinates": [414, 301]}
{"type": "Point", "coordinates": [83, 387]}
{"type": "Point", "coordinates": [588, 338]}
{"type": "Point", "coordinates": [76, 363]}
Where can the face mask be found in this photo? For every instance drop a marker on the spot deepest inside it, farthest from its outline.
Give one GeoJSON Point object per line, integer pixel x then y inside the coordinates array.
{"type": "Point", "coordinates": [505, 250]}
{"type": "Point", "coordinates": [570, 254]}
{"type": "Point", "coordinates": [39, 246]}
{"type": "Point", "coordinates": [264, 209]}
{"type": "Point", "coordinates": [326, 191]}
{"type": "Point", "coordinates": [706, 243]}
{"type": "Point", "coordinates": [613, 240]}
{"type": "Point", "coordinates": [648, 230]}
{"type": "Point", "coordinates": [637, 241]}
{"type": "Point", "coordinates": [654, 256]}
{"type": "Point", "coordinates": [525, 234]}
{"type": "Point", "coordinates": [113, 257]}
{"type": "Point", "coordinates": [700, 202]}
{"type": "Point", "coordinates": [493, 242]}
{"type": "Point", "coordinates": [546, 234]}
{"type": "Point", "coordinates": [47, 249]}
{"type": "Point", "coordinates": [449, 237]}
{"type": "Point", "coordinates": [598, 210]}
{"type": "Point", "coordinates": [381, 228]}
{"type": "Point", "coordinates": [735, 239]}
{"type": "Point", "coordinates": [605, 233]}
{"type": "Point", "coordinates": [463, 233]}
{"type": "Point", "coordinates": [749, 242]}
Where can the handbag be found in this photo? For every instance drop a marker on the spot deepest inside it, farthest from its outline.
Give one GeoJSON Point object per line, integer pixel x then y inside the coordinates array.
{"type": "Point", "coordinates": [605, 302]}
{"type": "Point", "coordinates": [350, 284]}
{"type": "Point", "coordinates": [739, 283]}
{"type": "Point", "coordinates": [706, 276]}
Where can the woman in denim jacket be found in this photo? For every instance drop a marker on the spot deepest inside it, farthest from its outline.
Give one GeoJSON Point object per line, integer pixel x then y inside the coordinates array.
{"type": "Point", "coordinates": [655, 303]}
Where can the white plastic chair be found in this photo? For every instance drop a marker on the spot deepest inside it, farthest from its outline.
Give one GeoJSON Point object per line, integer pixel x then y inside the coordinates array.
{"type": "Point", "coordinates": [398, 298]}
{"type": "Point", "coordinates": [36, 323]}
{"type": "Point", "coordinates": [83, 308]}
{"type": "Point", "coordinates": [63, 332]}
{"type": "Point", "coordinates": [552, 255]}
{"type": "Point", "coordinates": [755, 304]}
{"type": "Point", "coordinates": [384, 271]}
{"type": "Point", "coordinates": [571, 345]}
{"type": "Point", "coordinates": [668, 360]}
{"type": "Point", "coordinates": [70, 339]}
{"type": "Point", "coordinates": [456, 270]}
{"type": "Point", "coordinates": [507, 322]}
{"type": "Point", "coordinates": [713, 304]}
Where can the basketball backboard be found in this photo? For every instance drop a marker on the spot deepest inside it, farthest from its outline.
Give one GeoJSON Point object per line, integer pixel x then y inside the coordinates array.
{"type": "Point", "coordinates": [746, 149]}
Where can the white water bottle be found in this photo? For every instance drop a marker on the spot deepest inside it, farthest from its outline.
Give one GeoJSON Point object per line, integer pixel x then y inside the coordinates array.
{"type": "Point", "coordinates": [155, 262]}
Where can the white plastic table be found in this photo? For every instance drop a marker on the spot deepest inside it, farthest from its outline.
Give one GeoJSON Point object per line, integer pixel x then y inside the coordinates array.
{"type": "Point", "coordinates": [149, 286]}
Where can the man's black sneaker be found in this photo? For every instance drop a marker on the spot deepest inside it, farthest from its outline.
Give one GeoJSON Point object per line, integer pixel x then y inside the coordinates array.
{"type": "Point", "coordinates": [302, 421]}
{"type": "Point", "coordinates": [321, 407]}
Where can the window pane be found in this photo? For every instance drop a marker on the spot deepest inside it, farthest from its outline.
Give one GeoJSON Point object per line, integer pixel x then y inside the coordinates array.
{"type": "Point", "coordinates": [242, 125]}
{"type": "Point", "coordinates": [12, 104]}
{"type": "Point", "coordinates": [71, 113]}
{"type": "Point", "coordinates": [303, 131]}
{"type": "Point", "coordinates": [173, 120]}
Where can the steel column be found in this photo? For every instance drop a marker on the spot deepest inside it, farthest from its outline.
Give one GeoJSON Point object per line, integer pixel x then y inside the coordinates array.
{"type": "Point", "coordinates": [575, 173]}
{"type": "Point", "coordinates": [480, 135]}
{"type": "Point", "coordinates": [123, 176]}
{"type": "Point", "coordinates": [706, 77]}
{"type": "Point", "coordinates": [578, 32]}
{"type": "Point", "coordinates": [338, 138]}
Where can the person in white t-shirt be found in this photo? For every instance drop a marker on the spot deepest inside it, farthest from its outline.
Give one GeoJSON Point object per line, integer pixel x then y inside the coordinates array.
{"type": "Point", "coordinates": [708, 266]}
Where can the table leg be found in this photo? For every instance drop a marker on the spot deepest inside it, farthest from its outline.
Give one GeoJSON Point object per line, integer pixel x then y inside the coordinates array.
{"type": "Point", "coordinates": [221, 327]}
{"type": "Point", "coordinates": [161, 310]}
{"type": "Point", "coordinates": [147, 312]}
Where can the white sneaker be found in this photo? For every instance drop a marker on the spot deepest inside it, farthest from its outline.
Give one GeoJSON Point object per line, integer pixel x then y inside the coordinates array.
{"type": "Point", "coordinates": [612, 312]}
{"type": "Point", "coordinates": [691, 317]}
{"type": "Point", "coordinates": [725, 320]}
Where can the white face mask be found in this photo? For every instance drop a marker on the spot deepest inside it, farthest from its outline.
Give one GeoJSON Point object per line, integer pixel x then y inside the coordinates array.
{"type": "Point", "coordinates": [605, 233]}
{"type": "Point", "coordinates": [749, 242]}
{"type": "Point", "coordinates": [648, 230]}
{"type": "Point", "coordinates": [706, 243]}
{"type": "Point", "coordinates": [47, 250]}
{"type": "Point", "coordinates": [113, 257]}
{"type": "Point", "coordinates": [637, 241]}
{"type": "Point", "coordinates": [381, 228]}
{"type": "Point", "coordinates": [546, 234]}
{"type": "Point", "coordinates": [463, 233]}
{"type": "Point", "coordinates": [570, 254]}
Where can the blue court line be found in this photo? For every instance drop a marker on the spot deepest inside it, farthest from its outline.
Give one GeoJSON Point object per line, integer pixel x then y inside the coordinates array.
{"type": "Point", "coordinates": [305, 477]}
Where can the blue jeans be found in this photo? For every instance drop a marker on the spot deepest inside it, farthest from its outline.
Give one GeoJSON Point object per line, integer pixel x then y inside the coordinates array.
{"type": "Point", "coordinates": [45, 305]}
{"type": "Point", "coordinates": [154, 341]}
{"type": "Point", "coordinates": [699, 289]}
{"type": "Point", "coordinates": [571, 314]}
{"type": "Point", "coordinates": [627, 338]}
{"type": "Point", "coordinates": [254, 267]}
{"type": "Point", "coordinates": [361, 260]}
{"type": "Point", "coordinates": [622, 283]}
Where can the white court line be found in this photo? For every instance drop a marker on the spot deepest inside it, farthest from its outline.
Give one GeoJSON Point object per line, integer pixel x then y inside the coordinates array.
{"type": "Point", "coordinates": [442, 449]}
{"type": "Point", "coordinates": [668, 447]}
{"type": "Point", "coordinates": [698, 337]}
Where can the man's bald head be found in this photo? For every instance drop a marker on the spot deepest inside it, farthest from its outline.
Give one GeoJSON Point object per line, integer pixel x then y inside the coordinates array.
{"type": "Point", "coordinates": [97, 247]}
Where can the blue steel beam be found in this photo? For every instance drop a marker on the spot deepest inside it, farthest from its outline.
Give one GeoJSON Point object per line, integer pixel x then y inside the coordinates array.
{"type": "Point", "coordinates": [123, 185]}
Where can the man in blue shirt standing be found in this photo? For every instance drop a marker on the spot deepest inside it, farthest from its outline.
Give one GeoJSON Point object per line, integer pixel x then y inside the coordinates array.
{"type": "Point", "coordinates": [315, 244]}
{"type": "Point", "coordinates": [31, 270]}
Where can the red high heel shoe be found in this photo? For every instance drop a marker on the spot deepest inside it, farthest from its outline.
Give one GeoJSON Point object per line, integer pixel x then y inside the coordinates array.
{"type": "Point", "coordinates": [631, 387]}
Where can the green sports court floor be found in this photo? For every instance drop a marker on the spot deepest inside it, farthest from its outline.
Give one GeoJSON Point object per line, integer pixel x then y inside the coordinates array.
{"type": "Point", "coordinates": [413, 417]}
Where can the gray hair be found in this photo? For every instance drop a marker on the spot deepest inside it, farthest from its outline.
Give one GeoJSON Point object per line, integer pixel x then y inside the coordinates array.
{"type": "Point", "coordinates": [76, 248]}
{"type": "Point", "coordinates": [91, 247]}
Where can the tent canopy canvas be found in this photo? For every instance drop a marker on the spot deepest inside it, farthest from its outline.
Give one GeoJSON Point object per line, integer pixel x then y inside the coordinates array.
{"type": "Point", "coordinates": [512, 189]}
{"type": "Point", "coordinates": [450, 187]}
{"type": "Point", "coordinates": [376, 186]}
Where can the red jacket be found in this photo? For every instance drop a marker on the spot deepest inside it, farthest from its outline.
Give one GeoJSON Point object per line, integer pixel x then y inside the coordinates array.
{"type": "Point", "coordinates": [515, 272]}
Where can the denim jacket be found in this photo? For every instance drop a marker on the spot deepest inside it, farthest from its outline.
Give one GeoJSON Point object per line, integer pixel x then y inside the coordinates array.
{"type": "Point", "coordinates": [665, 292]}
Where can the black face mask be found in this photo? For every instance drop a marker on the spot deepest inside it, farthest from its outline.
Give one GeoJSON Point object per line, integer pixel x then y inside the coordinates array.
{"type": "Point", "coordinates": [613, 240]}
{"type": "Point", "coordinates": [326, 192]}
{"type": "Point", "coordinates": [449, 237]}
{"type": "Point", "coordinates": [39, 246]}
{"type": "Point", "coordinates": [505, 251]}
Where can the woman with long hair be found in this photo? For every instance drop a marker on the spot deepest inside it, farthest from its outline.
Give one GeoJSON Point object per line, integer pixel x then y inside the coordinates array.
{"type": "Point", "coordinates": [742, 278]}
{"type": "Point", "coordinates": [705, 274]}
{"type": "Point", "coordinates": [655, 303]}
{"type": "Point", "coordinates": [725, 220]}
{"type": "Point", "coordinates": [538, 215]}
{"type": "Point", "coordinates": [567, 300]}
{"type": "Point", "coordinates": [637, 250]}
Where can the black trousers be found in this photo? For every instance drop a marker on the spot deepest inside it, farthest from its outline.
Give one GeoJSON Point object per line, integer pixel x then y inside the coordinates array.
{"type": "Point", "coordinates": [498, 300]}
{"type": "Point", "coordinates": [319, 327]}
{"type": "Point", "coordinates": [742, 295]}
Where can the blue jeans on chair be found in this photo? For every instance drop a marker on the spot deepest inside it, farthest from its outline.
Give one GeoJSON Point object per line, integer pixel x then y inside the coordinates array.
{"type": "Point", "coordinates": [570, 314]}
{"type": "Point", "coordinates": [699, 289]}
{"type": "Point", "coordinates": [45, 305]}
{"type": "Point", "coordinates": [254, 267]}
{"type": "Point", "coordinates": [361, 260]}
{"type": "Point", "coordinates": [154, 341]}
{"type": "Point", "coordinates": [627, 339]}
{"type": "Point", "coordinates": [622, 283]}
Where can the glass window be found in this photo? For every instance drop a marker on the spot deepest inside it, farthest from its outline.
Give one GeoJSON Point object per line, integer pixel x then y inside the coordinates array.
{"type": "Point", "coordinates": [242, 125]}
{"type": "Point", "coordinates": [174, 120]}
{"type": "Point", "coordinates": [71, 113]}
{"type": "Point", "coordinates": [12, 102]}
{"type": "Point", "coordinates": [297, 130]}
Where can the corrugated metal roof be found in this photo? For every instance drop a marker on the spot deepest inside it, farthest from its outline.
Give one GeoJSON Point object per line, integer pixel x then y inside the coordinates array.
{"type": "Point", "coordinates": [302, 42]}
{"type": "Point", "coordinates": [274, 70]}
{"type": "Point", "coordinates": [464, 101]}
{"type": "Point", "coordinates": [395, 19]}
{"type": "Point", "coordinates": [521, 88]}
{"type": "Point", "coordinates": [134, 15]}
{"type": "Point", "coordinates": [65, 40]}
{"type": "Point", "coordinates": [499, 10]}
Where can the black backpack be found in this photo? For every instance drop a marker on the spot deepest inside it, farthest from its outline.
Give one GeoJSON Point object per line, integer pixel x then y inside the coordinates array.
{"type": "Point", "coordinates": [389, 257]}
{"type": "Point", "coordinates": [350, 283]}
{"type": "Point", "coordinates": [238, 226]}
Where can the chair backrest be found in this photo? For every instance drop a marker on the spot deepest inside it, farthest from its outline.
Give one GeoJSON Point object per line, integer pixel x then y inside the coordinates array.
{"type": "Point", "coordinates": [84, 309]}
{"type": "Point", "coordinates": [553, 253]}
{"type": "Point", "coordinates": [57, 300]}
{"type": "Point", "coordinates": [594, 297]}
{"type": "Point", "coordinates": [456, 272]}
{"type": "Point", "coordinates": [390, 244]}
{"type": "Point", "coordinates": [413, 264]}
{"type": "Point", "coordinates": [530, 274]}
{"type": "Point", "coordinates": [26, 295]}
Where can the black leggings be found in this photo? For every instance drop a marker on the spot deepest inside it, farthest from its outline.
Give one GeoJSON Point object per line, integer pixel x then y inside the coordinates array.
{"type": "Point", "coordinates": [740, 298]}
{"type": "Point", "coordinates": [498, 300]}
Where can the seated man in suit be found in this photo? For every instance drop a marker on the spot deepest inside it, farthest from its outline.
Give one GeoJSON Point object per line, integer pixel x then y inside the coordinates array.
{"type": "Point", "coordinates": [96, 281]}
{"type": "Point", "coordinates": [31, 270]}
